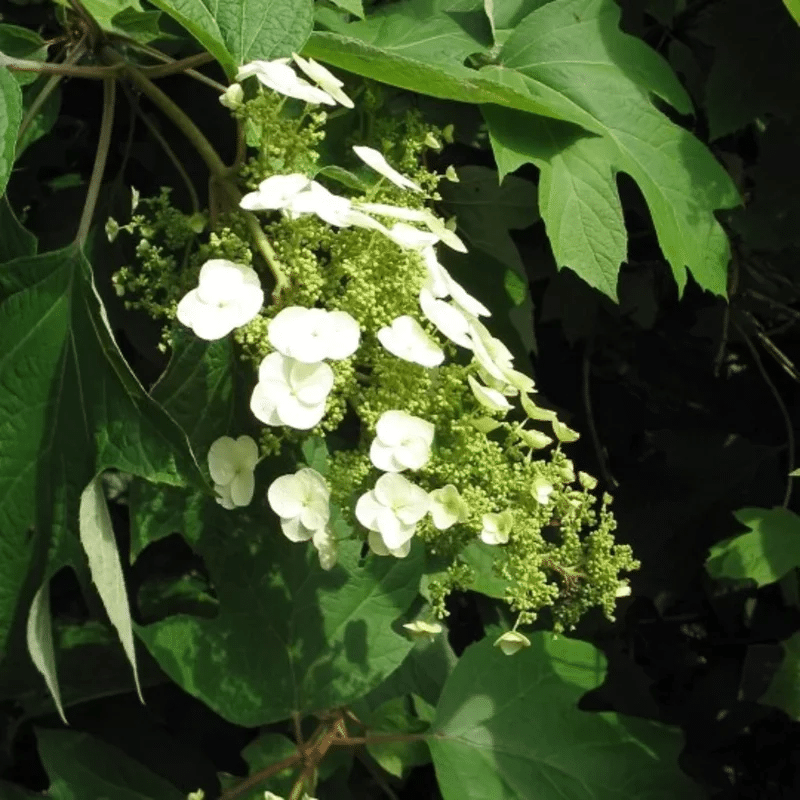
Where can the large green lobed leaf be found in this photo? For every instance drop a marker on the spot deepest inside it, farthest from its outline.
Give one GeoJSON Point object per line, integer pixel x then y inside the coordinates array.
{"type": "Point", "coordinates": [289, 637]}
{"type": "Point", "coordinates": [508, 728]}
{"type": "Point", "coordinates": [238, 31]}
{"type": "Point", "coordinates": [567, 60]}
{"type": "Point", "coordinates": [69, 408]}
{"type": "Point", "coordinates": [574, 50]}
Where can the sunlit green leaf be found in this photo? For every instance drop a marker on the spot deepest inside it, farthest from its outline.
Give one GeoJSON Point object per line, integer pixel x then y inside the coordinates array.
{"type": "Point", "coordinates": [10, 118]}
{"type": "Point", "coordinates": [40, 643]}
{"type": "Point", "coordinates": [236, 32]}
{"type": "Point", "coordinates": [784, 690]}
{"type": "Point", "coordinates": [765, 553]}
{"type": "Point", "coordinates": [508, 727]}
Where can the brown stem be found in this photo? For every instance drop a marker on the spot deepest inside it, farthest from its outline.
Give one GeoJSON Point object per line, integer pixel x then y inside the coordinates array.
{"type": "Point", "coordinates": [261, 776]}
{"type": "Point", "coordinates": [103, 146]}
{"type": "Point", "coordinates": [24, 65]}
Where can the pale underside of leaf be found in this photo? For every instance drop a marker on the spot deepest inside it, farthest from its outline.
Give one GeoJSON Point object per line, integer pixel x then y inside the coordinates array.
{"type": "Point", "coordinates": [97, 538]}
{"type": "Point", "coordinates": [40, 643]}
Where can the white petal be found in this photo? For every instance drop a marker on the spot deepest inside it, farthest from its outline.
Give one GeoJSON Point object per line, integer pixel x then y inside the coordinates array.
{"type": "Point", "coordinates": [410, 238]}
{"type": "Point", "coordinates": [396, 212]}
{"type": "Point", "coordinates": [344, 335]}
{"type": "Point", "coordinates": [324, 79]}
{"type": "Point", "coordinates": [395, 536]}
{"type": "Point", "coordinates": [246, 452]}
{"type": "Point", "coordinates": [488, 398]}
{"type": "Point", "coordinates": [311, 383]}
{"type": "Point", "coordinates": [294, 531]}
{"type": "Point", "coordinates": [300, 416]}
{"type": "Point", "coordinates": [406, 339]}
{"type": "Point", "coordinates": [448, 320]}
{"type": "Point", "coordinates": [367, 510]}
{"type": "Point", "coordinates": [242, 488]}
{"type": "Point", "coordinates": [280, 77]}
{"type": "Point", "coordinates": [222, 460]}
{"type": "Point", "coordinates": [382, 456]}
{"type": "Point", "coordinates": [376, 160]}
{"type": "Point", "coordinates": [224, 496]}
{"type": "Point", "coordinates": [285, 496]}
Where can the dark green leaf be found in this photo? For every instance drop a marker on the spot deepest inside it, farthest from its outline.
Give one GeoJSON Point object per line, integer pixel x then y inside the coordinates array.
{"type": "Point", "coordinates": [289, 637]}
{"type": "Point", "coordinates": [83, 768]}
{"type": "Point", "coordinates": [15, 240]}
{"type": "Point", "coordinates": [70, 409]}
{"type": "Point", "coordinates": [22, 43]}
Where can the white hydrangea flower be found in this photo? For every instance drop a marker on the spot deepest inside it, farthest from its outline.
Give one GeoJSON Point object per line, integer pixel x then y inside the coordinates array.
{"type": "Point", "coordinates": [393, 509]}
{"type": "Point", "coordinates": [447, 507]}
{"type": "Point", "coordinates": [406, 339]}
{"type": "Point", "coordinates": [441, 284]}
{"type": "Point", "coordinates": [402, 441]}
{"type": "Point", "coordinates": [290, 392]}
{"type": "Point", "coordinates": [331, 208]}
{"type": "Point", "coordinates": [231, 463]}
{"type": "Point", "coordinates": [233, 96]}
{"type": "Point", "coordinates": [496, 527]}
{"type": "Point", "coordinates": [276, 192]}
{"type": "Point", "coordinates": [228, 296]}
{"type": "Point", "coordinates": [327, 549]}
{"type": "Point", "coordinates": [623, 590]}
{"type": "Point", "coordinates": [314, 334]}
{"type": "Point", "coordinates": [326, 81]}
{"type": "Point", "coordinates": [301, 501]}
{"type": "Point", "coordinates": [446, 318]}
{"type": "Point", "coordinates": [281, 78]}
{"type": "Point", "coordinates": [420, 629]}
{"type": "Point", "coordinates": [541, 490]}
{"type": "Point", "coordinates": [488, 398]}
{"type": "Point", "coordinates": [372, 158]}
{"type": "Point", "coordinates": [380, 549]}
{"type": "Point", "coordinates": [512, 642]}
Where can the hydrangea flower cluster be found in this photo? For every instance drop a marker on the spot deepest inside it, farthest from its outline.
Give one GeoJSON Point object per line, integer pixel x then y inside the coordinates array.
{"type": "Point", "coordinates": [374, 330]}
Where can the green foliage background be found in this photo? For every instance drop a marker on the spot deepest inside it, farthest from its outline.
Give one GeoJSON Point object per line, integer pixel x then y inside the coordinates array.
{"type": "Point", "coordinates": [656, 144]}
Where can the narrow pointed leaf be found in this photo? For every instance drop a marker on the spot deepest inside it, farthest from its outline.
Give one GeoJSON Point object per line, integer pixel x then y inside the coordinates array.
{"type": "Point", "coordinates": [40, 643]}
{"type": "Point", "coordinates": [99, 544]}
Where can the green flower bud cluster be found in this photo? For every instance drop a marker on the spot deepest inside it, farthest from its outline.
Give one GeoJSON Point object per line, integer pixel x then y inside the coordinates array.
{"type": "Point", "coordinates": [554, 548]}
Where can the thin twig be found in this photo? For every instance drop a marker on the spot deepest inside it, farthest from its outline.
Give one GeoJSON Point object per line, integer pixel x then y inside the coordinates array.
{"type": "Point", "coordinates": [152, 72]}
{"type": "Point", "coordinates": [784, 412]}
{"type": "Point", "coordinates": [608, 478]}
{"type": "Point", "coordinates": [47, 90]}
{"type": "Point", "coordinates": [44, 67]}
{"type": "Point", "coordinates": [103, 146]}
{"type": "Point", "coordinates": [170, 153]}
{"type": "Point", "coordinates": [261, 776]}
